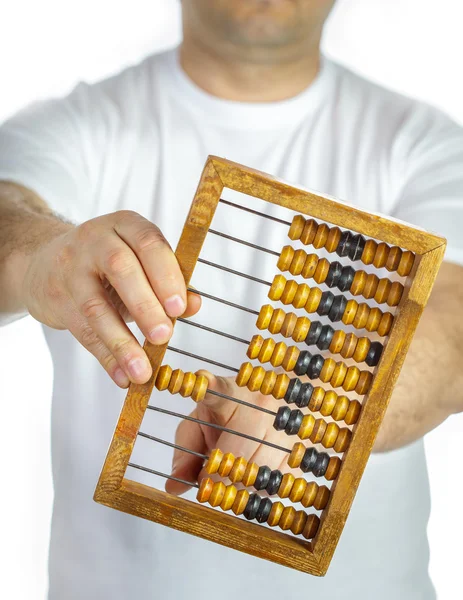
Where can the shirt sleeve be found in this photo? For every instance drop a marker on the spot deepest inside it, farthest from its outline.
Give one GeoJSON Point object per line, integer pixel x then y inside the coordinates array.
{"type": "Point", "coordinates": [430, 158]}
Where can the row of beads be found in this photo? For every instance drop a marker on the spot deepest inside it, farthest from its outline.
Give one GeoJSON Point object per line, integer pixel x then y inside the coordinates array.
{"type": "Point", "coordinates": [337, 308]}
{"type": "Point", "coordinates": [178, 382]}
{"type": "Point", "coordinates": [328, 370]}
{"type": "Point", "coordinates": [329, 435]}
{"type": "Point", "coordinates": [238, 470]}
{"type": "Point", "coordinates": [252, 506]}
{"type": "Point", "coordinates": [345, 243]}
{"type": "Point", "coordinates": [345, 278]}
{"type": "Point", "coordinates": [348, 345]}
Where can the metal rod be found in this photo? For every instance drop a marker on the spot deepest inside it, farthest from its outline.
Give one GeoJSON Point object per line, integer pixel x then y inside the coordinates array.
{"type": "Point", "coordinates": [232, 304]}
{"type": "Point", "coordinates": [207, 360]}
{"type": "Point", "coordinates": [234, 239]}
{"type": "Point", "coordinates": [254, 212]}
{"type": "Point", "coordinates": [228, 270]}
{"type": "Point", "coordinates": [219, 427]}
{"type": "Point", "coordinates": [261, 408]}
{"type": "Point", "coordinates": [211, 330]}
{"type": "Point", "coordinates": [190, 483]}
{"type": "Point", "coordinates": [176, 446]}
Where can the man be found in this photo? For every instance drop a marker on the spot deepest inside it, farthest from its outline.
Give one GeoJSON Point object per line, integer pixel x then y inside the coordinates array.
{"type": "Point", "coordinates": [248, 83]}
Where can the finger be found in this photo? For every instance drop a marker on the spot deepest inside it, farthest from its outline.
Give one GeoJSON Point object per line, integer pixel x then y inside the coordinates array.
{"type": "Point", "coordinates": [158, 261]}
{"type": "Point", "coordinates": [221, 407]}
{"type": "Point", "coordinates": [118, 263]}
{"type": "Point", "coordinates": [108, 326]}
{"type": "Point", "coordinates": [193, 304]}
{"type": "Point", "coordinates": [85, 335]}
{"type": "Point", "coordinates": [184, 465]}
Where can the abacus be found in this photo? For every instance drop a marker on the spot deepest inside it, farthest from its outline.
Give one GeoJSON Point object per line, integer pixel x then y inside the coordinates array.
{"type": "Point", "coordinates": [338, 368]}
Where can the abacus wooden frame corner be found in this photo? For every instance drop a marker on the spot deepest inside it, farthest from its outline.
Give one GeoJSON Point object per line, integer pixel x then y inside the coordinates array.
{"type": "Point", "coordinates": [116, 491]}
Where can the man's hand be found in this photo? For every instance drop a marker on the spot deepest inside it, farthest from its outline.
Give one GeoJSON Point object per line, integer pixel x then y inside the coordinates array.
{"type": "Point", "coordinates": [93, 277]}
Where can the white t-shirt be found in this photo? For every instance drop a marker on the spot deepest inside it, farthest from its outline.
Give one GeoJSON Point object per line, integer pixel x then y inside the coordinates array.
{"type": "Point", "coordinates": [139, 141]}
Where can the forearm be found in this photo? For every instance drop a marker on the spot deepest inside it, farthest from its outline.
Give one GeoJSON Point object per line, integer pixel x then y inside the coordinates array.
{"type": "Point", "coordinates": [430, 384]}
{"type": "Point", "coordinates": [26, 223]}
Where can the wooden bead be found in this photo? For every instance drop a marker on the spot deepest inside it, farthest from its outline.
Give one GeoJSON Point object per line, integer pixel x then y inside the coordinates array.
{"type": "Point", "coordinates": [205, 489]}
{"type": "Point", "coordinates": [244, 374]}
{"type": "Point", "coordinates": [341, 408]}
{"type": "Point", "coordinates": [361, 349]}
{"type": "Point", "coordinates": [297, 453]}
{"type": "Point", "coordinates": [286, 256]}
{"type": "Point", "coordinates": [217, 494]}
{"type": "Point", "coordinates": [287, 517]}
{"type": "Point", "coordinates": [382, 291]}
{"type": "Point", "coordinates": [385, 324]}
{"type": "Point", "coordinates": [327, 370]}
{"type": "Point", "coordinates": [238, 470]}
{"type": "Point", "coordinates": [278, 354]}
{"type": "Point", "coordinates": [317, 398]}
{"type": "Point", "coordinates": [276, 321]}
{"type": "Point", "coordinates": [361, 317]}
{"type": "Point", "coordinates": [286, 485]}
{"type": "Point", "coordinates": [298, 489]}
{"type": "Point", "coordinates": [268, 382]}
{"type": "Point", "coordinates": [393, 260]}
{"type": "Point", "coordinates": [240, 502]}
{"type": "Point", "coordinates": [281, 385]}
{"type": "Point", "coordinates": [254, 346]}
{"type": "Point", "coordinates": [310, 494]}
{"type": "Point", "coordinates": [289, 291]}
{"type": "Point", "coordinates": [297, 264]}
{"type": "Point", "coordinates": [311, 527]}
{"type": "Point", "coordinates": [226, 464]}
{"type": "Point", "coordinates": [301, 329]}
{"type": "Point", "coordinates": [277, 287]}
{"type": "Point", "coordinates": [339, 374]}
{"type": "Point", "coordinates": [265, 314]}
{"type": "Point", "coordinates": [330, 436]}
{"type": "Point", "coordinates": [337, 342]}
{"type": "Point", "coordinates": [288, 325]}
{"type": "Point", "coordinates": [321, 271]}
{"type": "Point", "coordinates": [313, 300]}
{"type": "Point", "coordinates": [310, 266]}
{"type": "Point", "coordinates": [349, 346]}
{"type": "Point", "coordinates": [318, 431]}
{"type": "Point", "coordinates": [213, 462]}
{"type": "Point", "coordinates": [353, 412]}
{"type": "Point", "coordinates": [229, 497]}
{"type": "Point", "coordinates": [266, 351]}
{"type": "Point", "coordinates": [163, 377]}
{"type": "Point", "coordinates": [329, 402]}
{"type": "Point", "coordinates": [275, 514]}
{"type": "Point", "coordinates": [350, 312]}
{"type": "Point", "coordinates": [296, 227]}
{"type": "Point", "coordinates": [333, 238]}
{"type": "Point", "coordinates": [395, 293]}
{"type": "Point", "coordinates": [369, 251]}
{"type": "Point", "coordinates": [358, 283]}
{"type": "Point", "coordinates": [306, 428]}
{"type": "Point", "coordinates": [256, 379]}
{"type": "Point", "coordinates": [188, 384]}
{"type": "Point", "coordinates": [200, 388]}
{"type": "Point", "coordinates": [406, 263]}
{"type": "Point", "coordinates": [290, 358]}
{"type": "Point", "coordinates": [301, 295]}
{"type": "Point", "coordinates": [333, 468]}
{"type": "Point", "coordinates": [176, 381]}
{"type": "Point", "coordinates": [322, 497]}
{"type": "Point", "coordinates": [321, 235]}
{"type": "Point", "coordinates": [250, 474]}
{"type": "Point", "coordinates": [309, 232]}
{"type": "Point", "coordinates": [299, 521]}
{"type": "Point", "coordinates": [343, 440]}
{"type": "Point", "coordinates": [381, 254]}
{"type": "Point", "coordinates": [364, 382]}
{"type": "Point", "coordinates": [371, 284]}
{"type": "Point", "coordinates": [351, 379]}
{"type": "Point", "coordinates": [374, 319]}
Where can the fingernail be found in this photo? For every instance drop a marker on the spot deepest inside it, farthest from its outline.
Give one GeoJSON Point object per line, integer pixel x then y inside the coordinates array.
{"type": "Point", "coordinates": [121, 378]}
{"type": "Point", "coordinates": [138, 367]}
{"type": "Point", "coordinates": [160, 334]}
{"type": "Point", "coordinates": [175, 306]}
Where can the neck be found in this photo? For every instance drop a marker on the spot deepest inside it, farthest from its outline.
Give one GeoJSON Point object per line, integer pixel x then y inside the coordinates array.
{"type": "Point", "coordinates": [249, 76]}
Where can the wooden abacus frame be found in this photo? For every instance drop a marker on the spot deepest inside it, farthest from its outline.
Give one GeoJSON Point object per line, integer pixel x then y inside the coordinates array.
{"type": "Point", "coordinates": [116, 491]}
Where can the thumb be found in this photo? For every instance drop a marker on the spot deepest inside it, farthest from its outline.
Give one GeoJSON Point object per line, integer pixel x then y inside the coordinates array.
{"type": "Point", "coordinates": [217, 399]}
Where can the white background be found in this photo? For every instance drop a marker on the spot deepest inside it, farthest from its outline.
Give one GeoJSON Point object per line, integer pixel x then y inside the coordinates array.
{"type": "Point", "coordinates": [414, 46]}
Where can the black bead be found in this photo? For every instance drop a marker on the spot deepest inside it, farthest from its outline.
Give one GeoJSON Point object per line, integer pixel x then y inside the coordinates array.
{"type": "Point", "coordinates": [345, 243]}
{"type": "Point", "coordinates": [262, 479]}
{"type": "Point", "coordinates": [374, 354]}
{"type": "Point", "coordinates": [274, 482]}
{"type": "Point", "coordinates": [334, 273]}
{"type": "Point", "coordinates": [294, 422]}
{"type": "Point", "coordinates": [304, 395]}
{"type": "Point", "coordinates": [356, 247]}
{"type": "Point", "coordinates": [321, 464]}
{"type": "Point", "coordinates": [264, 509]}
{"type": "Point", "coordinates": [315, 330]}
{"type": "Point", "coordinates": [252, 507]}
{"type": "Point", "coordinates": [325, 303]}
{"type": "Point", "coordinates": [325, 338]}
{"type": "Point", "coordinates": [293, 391]}
{"type": "Point", "coordinates": [308, 460]}
{"type": "Point", "coordinates": [282, 418]}
{"type": "Point", "coordinates": [346, 279]}
{"type": "Point", "coordinates": [302, 362]}
{"type": "Point", "coordinates": [338, 308]}
{"type": "Point", "coordinates": [315, 366]}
